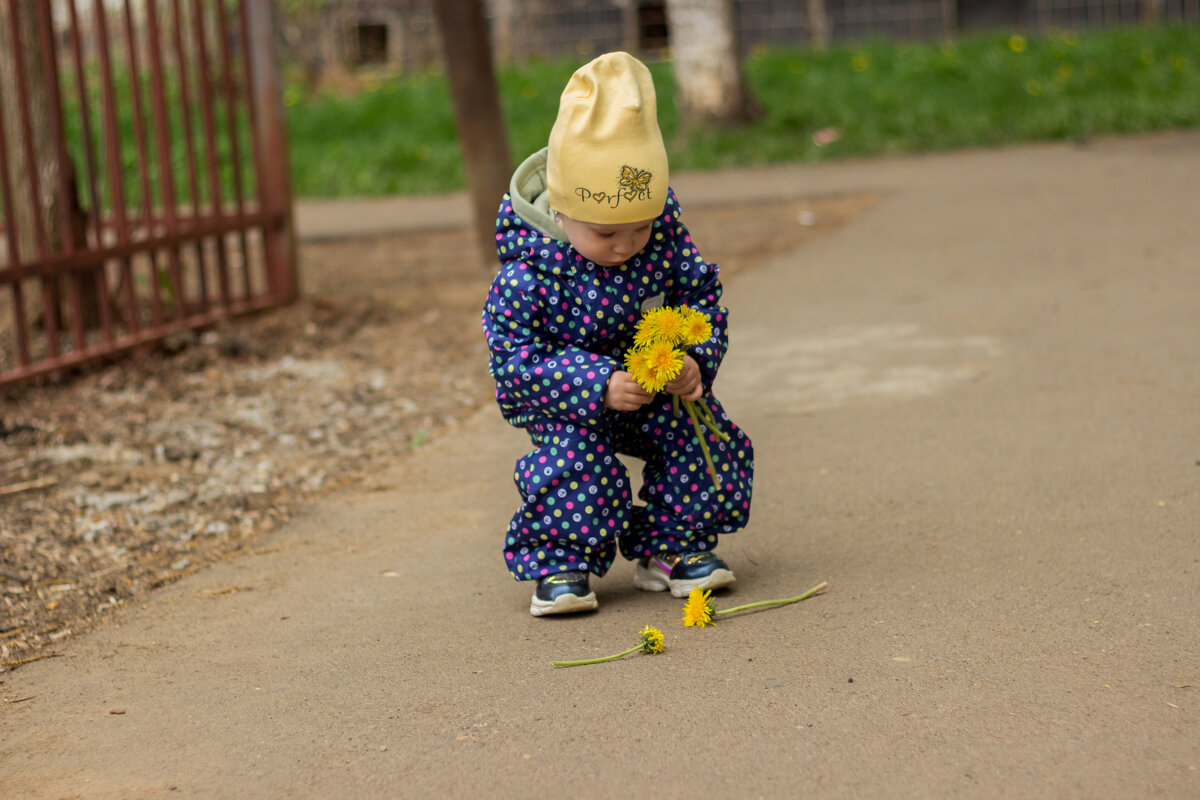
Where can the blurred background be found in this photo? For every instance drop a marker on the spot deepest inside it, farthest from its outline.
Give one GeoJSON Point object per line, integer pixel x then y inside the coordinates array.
{"type": "Point", "coordinates": [152, 152]}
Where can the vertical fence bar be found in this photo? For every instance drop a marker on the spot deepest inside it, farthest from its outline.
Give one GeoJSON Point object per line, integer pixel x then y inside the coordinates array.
{"type": "Point", "coordinates": [139, 130]}
{"type": "Point", "coordinates": [251, 106]}
{"type": "Point", "coordinates": [166, 177]}
{"type": "Point", "coordinates": [256, 157]}
{"type": "Point", "coordinates": [89, 158]}
{"type": "Point", "coordinates": [232, 132]}
{"type": "Point", "coordinates": [99, 281]}
{"type": "Point", "coordinates": [66, 173]}
{"type": "Point", "coordinates": [116, 184]}
{"type": "Point", "coordinates": [185, 100]}
{"type": "Point", "coordinates": [271, 133]}
{"type": "Point", "coordinates": [210, 137]}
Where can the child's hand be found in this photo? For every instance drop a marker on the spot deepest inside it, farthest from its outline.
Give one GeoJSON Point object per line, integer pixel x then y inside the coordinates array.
{"type": "Point", "coordinates": [623, 393]}
{"type": "Point", "coordinates": [688, 385]}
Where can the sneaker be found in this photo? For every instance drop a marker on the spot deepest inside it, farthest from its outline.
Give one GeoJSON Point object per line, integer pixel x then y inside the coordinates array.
{"type": "Point", "coordinates": [682, 572]}
{"type": "Point", "coordinates": [562, 593]}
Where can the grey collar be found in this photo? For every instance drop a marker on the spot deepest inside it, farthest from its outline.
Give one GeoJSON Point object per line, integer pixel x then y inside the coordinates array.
{"type": "Point", "coordinates": [530, 197]}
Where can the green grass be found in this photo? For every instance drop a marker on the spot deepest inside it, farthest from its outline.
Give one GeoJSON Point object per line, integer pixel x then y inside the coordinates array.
{"type": "Point", "coordinates": [398, 135]}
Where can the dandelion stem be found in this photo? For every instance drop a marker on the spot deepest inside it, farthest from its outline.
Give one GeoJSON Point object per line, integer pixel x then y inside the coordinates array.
{"type": "Point", "coordinates": [596, 660]}
{"type": "Point", "coordinates": [711, 421]}
{"type": "Point", "coordinates": [712, 470]}
{"type": "Point", "coordinates": [765, 603]}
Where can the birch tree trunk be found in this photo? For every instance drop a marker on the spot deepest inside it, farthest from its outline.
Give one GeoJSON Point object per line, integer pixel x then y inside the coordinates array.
{"type": "Point", "coordinates": [818, 24]}
{"type": "Point", "coordinates": [710, 86]}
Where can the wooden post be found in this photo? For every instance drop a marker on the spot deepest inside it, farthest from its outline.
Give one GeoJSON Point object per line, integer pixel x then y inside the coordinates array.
{"type": "Point", "coordinates": [468, 58]}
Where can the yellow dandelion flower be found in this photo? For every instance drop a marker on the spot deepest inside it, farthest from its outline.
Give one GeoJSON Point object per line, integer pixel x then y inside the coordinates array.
{"type": "Point", "coordinates": [698, 611]}
{"type": "Point", "coordinates": [696, 327]}
{"type": "Point", "coordinates": [637, 366]}
{"type": "Point", "coordinates": [861, 62]}
{"type": "Point", "coordinates": [1016, 43]}
{"type": "Point", "coordinates": [660, 325]}
{"type": "Point", "coordinates": [664, 363]}
{"type": "Point", "coordinates": [642, 335]}
{"type": "Point", "coordinates": [652, 640]}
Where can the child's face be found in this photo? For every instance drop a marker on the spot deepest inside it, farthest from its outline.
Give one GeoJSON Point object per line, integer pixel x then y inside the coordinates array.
{"type": "Point", "coordinates": [607, 245]}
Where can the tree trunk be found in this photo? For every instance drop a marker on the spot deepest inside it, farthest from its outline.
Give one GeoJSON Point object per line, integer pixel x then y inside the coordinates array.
{"type": "Point", "coordinates": [1151, 12]}
{"type": "Point", "coordinates": [46, 218]}
{"type": "Point", "coordinates": [468, 58]}
{"type": "Point", "coordinates": [505, 22]}
{"type": "Point", "coordinates": [710, 87]}
{"type": "Point", "coordinates": [818, 24]}
{"type": "Point", "coordinates": [23, 222]}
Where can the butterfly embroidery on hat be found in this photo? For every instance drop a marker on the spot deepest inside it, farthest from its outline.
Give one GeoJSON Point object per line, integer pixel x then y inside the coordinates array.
{"type": "Point", "coordinates": [635, 181]}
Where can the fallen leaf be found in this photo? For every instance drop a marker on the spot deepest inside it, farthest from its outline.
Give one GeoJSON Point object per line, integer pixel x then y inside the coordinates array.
{"type": "Point", "coordinates": [826, 136]}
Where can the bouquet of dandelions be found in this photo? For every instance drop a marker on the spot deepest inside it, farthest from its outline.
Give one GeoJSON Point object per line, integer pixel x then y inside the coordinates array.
{"type": "Point", "coordinates": [656, 359]}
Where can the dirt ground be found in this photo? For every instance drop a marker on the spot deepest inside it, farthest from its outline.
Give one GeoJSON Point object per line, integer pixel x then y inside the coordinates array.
{"type": "Point", "coordinates": [119, 480]}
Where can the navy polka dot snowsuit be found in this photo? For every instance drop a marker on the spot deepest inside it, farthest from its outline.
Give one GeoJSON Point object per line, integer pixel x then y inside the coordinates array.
{"type": "Point", "coordinates": [557, 326]}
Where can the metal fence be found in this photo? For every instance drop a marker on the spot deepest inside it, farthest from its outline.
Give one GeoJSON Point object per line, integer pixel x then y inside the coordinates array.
{"type": "Point", "coordinates": [1107, 13]}
{"type": "Point", "coordinates": [586, 27]}
{"type": "Point", "coordinates": [144, 187]}
{"type": "Point", "coordinates": [401, 35]}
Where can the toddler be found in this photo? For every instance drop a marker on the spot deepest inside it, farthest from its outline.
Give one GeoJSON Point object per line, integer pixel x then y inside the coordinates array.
{"type": "Point", "coordinates": [589, 238]}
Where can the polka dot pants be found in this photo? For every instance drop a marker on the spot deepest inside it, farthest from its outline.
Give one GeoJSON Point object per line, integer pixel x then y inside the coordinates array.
{"type": "Point", "coordinates": [578, 507]}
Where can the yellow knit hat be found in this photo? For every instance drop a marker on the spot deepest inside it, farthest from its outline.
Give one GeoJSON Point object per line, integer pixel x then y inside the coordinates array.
{"type": "Point", "coordinates": [606, 161]}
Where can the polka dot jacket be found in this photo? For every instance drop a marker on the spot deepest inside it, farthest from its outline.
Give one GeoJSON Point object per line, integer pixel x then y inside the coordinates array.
{"type": "Point", "coordinates": [557, 325]}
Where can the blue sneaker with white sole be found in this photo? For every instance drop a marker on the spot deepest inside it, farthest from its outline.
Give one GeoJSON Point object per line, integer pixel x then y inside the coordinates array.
{"type": "Point", "coordinates": [562, 593]}
{"type": "Point", "coordinates": [679, 573]}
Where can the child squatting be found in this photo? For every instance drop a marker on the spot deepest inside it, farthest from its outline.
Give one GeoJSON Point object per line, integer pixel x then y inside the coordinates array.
{"type": "Point", "coordinates": [589, 238]}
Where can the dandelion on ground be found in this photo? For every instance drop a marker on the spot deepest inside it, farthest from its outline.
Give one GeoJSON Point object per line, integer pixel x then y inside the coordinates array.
{"type": "Point", "coordinates": [650, 641]}
{"type": "Point", "coordinates": [698, 610]}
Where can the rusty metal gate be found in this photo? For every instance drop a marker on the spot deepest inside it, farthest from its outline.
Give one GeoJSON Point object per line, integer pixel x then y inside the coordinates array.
{"type": "Point", "coordinates": [144, 185]}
